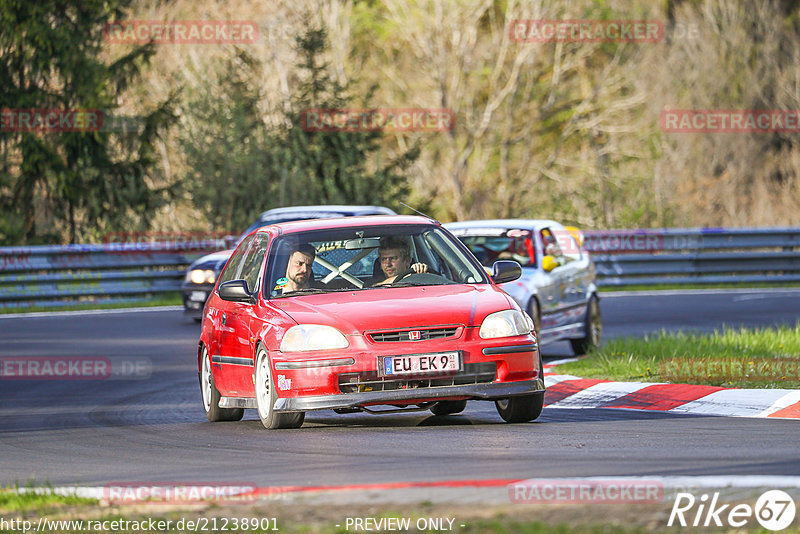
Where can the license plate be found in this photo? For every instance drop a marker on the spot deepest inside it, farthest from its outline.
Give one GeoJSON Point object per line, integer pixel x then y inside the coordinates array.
{"type": "Point", "coordinates": [197, 295]}
{"type": "Point", "coordinates": [417, 364]}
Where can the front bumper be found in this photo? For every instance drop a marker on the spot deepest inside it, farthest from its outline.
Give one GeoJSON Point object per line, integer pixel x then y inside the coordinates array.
{"type": "Point", "coordinates": [488, 391]}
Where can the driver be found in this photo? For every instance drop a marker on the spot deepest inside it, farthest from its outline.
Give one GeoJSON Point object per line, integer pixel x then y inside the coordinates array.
{"type": "Point", "coordinates": [394, 254]}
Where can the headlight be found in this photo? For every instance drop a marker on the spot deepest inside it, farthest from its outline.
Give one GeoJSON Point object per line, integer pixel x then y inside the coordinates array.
{"type": "Point", "coordinates": [505, 323]}
{"type": "Point", "coordinates": [201, 276]}
{"type": "Point", "coordinates": [304, 337]}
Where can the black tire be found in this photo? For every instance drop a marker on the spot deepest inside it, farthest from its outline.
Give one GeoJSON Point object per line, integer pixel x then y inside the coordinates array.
{"type": "Point", "coordinates": [593, 329]}
{"type": "Point", "coordinates": [521, 409]}
{"type": "Point", "coordinates": [211, 396]}
{"type": "Point", "coordinates": [197, 319]}
{"type": "Point", "coordinates": [448, 407]}
{"type": "Point", "coordinates": [266, 396]}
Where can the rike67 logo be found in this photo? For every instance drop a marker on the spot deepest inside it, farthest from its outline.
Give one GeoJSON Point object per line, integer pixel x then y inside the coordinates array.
{"type": "Point", "coordinates": [774, 510]}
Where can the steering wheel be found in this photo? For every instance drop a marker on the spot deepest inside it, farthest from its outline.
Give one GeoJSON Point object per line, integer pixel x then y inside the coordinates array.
{"type": "Point", "coordinates": [405, 274]}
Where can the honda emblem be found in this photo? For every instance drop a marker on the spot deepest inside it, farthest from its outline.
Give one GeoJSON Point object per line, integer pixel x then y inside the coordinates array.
{"type": "Point", "coordinates": [415, 335]}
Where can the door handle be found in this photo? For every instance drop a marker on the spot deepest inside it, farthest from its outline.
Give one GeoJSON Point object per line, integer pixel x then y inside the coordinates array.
{"type": "Point", "coordinates": [224, 317]}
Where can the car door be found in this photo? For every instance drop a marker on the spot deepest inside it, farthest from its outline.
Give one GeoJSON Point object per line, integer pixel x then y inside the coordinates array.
{"type": "Point", "coordinates": [569, 298]}
{"type": "Point", "coordinates": [243, 318]}
{"type": "Point", "coordinates": [225, 347]}
{"type": "Point", "coordinates": [578, 260]}
{"type": "Point", "coordinates": [557, 283]}
{"type": "Point", "coordinates": [237, 348]}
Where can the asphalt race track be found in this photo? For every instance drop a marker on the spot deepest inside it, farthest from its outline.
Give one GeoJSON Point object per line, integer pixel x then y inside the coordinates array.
{"type": "Point", "coordinates": [92, 432]}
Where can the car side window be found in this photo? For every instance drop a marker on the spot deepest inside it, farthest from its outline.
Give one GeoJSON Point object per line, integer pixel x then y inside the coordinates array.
{"type": "Point", "coordinates": [231, 270]}
{"type": "Point", "coordinates": [571, 249]}
{"type": "Point", "coordinates": [552, 248]}
{"type": "Point", "coordinates": [252, 261]}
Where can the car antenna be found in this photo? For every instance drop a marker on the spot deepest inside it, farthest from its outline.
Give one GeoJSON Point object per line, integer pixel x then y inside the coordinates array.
{"type": "Point", "coordinates": [423, 214]}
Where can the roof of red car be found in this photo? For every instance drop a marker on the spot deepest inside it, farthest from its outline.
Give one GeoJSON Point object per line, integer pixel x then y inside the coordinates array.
{"type": "Point", "coordinates": [347, 222]}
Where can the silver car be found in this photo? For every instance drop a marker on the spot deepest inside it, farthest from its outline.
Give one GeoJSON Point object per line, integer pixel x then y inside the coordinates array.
{"type": "Point", "coordinates": [557, 287]}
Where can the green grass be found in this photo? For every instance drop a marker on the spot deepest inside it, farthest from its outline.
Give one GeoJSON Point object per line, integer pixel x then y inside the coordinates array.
{"type": "Point", "coordinates": [165, 299]}
{"type": "Point", "coordinates": [299, 518]}
{"type": "Point", "coordinates": [750, 358]}
{"type": "Point", "coordinates": [12, 499]}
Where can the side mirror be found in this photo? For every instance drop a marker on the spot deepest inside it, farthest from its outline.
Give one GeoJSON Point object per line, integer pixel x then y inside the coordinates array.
{"type": "Point", "coordinates": [549, 263]}
{"type": "Point", "coordinates": [236, 291]}
{"type": "Point", "coordinates": [506, 271]}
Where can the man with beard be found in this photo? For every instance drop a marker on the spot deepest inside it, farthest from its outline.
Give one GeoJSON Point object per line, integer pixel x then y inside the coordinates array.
{"type": "Point", "coordinates": [298, 272]}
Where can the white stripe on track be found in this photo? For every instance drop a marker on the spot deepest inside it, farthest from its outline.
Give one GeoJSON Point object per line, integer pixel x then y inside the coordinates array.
{"type": "Point", "coordinates": [600, 393]}
{"type": "Point", "coordinates": [733, 402]}
{"type": "Point", "coordinates": [90, 312]}
{"type": "Point", "coordinates": [552, 380]}
{"type": "Point", "coordinates": [783, 402]}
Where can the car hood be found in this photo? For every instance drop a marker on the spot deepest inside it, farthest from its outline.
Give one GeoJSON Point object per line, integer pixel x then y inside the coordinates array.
{"type": "Point", "coordinates": [403, 307]}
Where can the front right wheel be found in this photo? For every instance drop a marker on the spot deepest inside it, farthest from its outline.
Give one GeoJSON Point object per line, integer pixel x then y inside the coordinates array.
{"type": "Point", "coordinates": [266, 397]}
{"type": "Point", "coordinates": [521, 409]}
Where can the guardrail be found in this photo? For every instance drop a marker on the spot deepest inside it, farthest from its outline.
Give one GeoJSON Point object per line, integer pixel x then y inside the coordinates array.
{"type": "Point", "coordinates": [695, 256]}
{"type": "Point", "coordinates": [134, 272]}
{"type": "Point", "coordinates": [46, 276]}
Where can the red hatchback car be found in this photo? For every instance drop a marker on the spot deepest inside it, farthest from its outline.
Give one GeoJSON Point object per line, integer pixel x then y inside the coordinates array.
{"type": "Point", "coordinates": [351, 314]}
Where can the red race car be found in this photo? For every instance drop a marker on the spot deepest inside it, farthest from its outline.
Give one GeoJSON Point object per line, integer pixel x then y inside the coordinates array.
{"type": "Point", "coordinates": [354, 313]}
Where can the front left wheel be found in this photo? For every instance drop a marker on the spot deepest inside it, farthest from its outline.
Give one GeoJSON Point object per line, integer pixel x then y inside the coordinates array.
{"type": "Point", "coordinates": [211, 395]}
{"type": "Point", "coordinates": [266, 397]}
{"type": "Point", "coordinates": [448, 407]}
{"type": "Point", "coordinates": [592, 327]}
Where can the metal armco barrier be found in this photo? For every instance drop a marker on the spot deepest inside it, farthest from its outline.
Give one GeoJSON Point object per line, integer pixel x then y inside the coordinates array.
{"type": "Point", "coordinates": [48, 276]}
{"type": "Point", "coordinates": [695, 256]}
{"type": "Point", "coordinates": [135, 272]}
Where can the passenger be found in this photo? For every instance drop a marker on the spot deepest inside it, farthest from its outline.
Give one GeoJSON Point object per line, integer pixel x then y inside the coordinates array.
{"type": "Point", "coordinates": [394, 255]}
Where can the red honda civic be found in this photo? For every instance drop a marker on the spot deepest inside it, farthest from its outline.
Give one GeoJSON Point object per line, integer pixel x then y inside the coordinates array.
{"type": "Point", "coordinates": [377, 314]}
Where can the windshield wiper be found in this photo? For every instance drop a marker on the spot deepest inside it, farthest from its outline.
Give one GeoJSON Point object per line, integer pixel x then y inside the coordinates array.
{"type": "Point", "coordinates": [306, 290]}
{"type": "Point", "coordinates": [315, 290]}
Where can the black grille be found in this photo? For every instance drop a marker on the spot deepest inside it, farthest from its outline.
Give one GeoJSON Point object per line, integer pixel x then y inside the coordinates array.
{"type": "Point", "coordinates": [403, 335]}
{"type": "Point", "coordinates": [473, 373]}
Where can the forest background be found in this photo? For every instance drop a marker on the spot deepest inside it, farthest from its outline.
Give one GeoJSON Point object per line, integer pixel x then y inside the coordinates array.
{"type": "Point", "coordinates": [204, 137]}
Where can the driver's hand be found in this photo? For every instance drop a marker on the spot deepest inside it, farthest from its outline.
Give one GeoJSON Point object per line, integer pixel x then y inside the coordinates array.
{"type": "Point", "coordinates": [419, 268]}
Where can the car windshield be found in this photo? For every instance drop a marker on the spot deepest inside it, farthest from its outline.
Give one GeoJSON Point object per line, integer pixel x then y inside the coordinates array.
{"type": "Point", "coordinates": [513, 244]}
{"type": "Point", "coordinates": [368, 258]}
{"type": "Point", "coordinates": [289, 217]}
